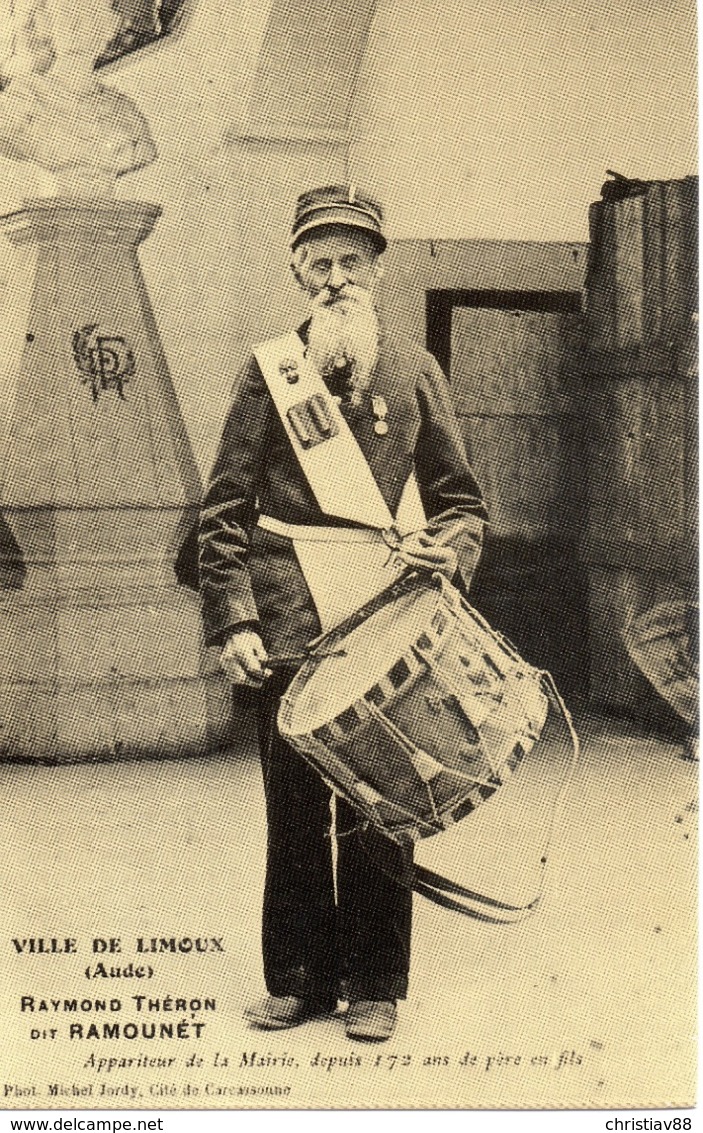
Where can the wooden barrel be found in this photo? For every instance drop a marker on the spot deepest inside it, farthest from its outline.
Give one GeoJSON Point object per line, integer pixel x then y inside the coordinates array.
{"type": "Point", "coordinates": [641, 282]}
{"type": "Point", "coordinates": [640, 542]}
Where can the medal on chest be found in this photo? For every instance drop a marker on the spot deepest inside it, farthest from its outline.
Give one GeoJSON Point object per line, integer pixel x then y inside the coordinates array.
{"type": "Point", "coordinates": [380, 412]}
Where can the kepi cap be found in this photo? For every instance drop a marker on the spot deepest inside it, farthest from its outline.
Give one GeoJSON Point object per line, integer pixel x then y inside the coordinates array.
{"type": "Point", "coordinates": [338, 204]}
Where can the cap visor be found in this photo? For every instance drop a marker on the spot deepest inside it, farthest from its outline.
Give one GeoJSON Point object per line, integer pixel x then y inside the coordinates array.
{"type": "Point", "coordinates": [345, 222]}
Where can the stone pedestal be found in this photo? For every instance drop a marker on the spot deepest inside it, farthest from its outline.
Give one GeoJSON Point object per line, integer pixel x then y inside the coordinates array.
{"type": "Point", "coordinates": [101, 652]}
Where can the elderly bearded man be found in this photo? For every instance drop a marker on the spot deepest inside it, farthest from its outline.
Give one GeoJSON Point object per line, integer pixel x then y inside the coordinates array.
{"type": "Point", "coordinates": [269, 586]}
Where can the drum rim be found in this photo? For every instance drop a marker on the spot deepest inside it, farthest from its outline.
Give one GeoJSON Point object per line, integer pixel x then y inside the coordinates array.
{"type": "Point", "coordinates": [325, 645]}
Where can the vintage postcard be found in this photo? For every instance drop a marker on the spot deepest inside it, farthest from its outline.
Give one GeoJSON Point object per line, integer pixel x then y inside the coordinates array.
{"type": "Point", "coordinates": [348, 555]}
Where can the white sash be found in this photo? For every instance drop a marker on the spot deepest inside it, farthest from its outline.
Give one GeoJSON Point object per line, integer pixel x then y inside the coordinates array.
{"type": "Point", "coordinates": [342, 571]}
{"type": "Point", "coordinates": [336, 469]}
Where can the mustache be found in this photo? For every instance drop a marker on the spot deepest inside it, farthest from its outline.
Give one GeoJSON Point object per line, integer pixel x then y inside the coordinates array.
{"type": "Point", "coordinates": [350, 293]}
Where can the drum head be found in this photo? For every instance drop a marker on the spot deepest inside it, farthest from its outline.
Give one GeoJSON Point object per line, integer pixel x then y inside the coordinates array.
{"type": "Point", "coordinates": [366, 654]}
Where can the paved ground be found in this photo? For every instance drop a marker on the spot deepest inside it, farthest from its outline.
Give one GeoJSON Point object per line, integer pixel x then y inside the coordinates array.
{"type": "Point", "coordinates": [590, 1002]}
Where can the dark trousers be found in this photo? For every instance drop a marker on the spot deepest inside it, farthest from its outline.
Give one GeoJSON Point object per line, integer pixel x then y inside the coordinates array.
{"type": "Point", "coordinates": [354, 943]}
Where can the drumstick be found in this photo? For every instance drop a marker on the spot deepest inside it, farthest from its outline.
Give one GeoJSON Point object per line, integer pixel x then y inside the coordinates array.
{"type": "Point", "coordinates": [288, 660]}
{"type": "Point", "coordinates": [285, 661]}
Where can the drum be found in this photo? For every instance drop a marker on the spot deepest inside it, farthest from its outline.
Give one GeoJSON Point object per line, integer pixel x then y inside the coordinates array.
{"type": "Point", "coordinates": [415, 710]}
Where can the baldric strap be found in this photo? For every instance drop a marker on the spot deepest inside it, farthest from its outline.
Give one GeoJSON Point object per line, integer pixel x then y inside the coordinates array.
{"type": "Point", "coordinates": [327, 451]}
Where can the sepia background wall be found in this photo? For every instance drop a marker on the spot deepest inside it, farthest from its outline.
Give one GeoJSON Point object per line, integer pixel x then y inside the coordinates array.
{"type": "Point", "coordinates": [471, 121]}
{"type": "Point", "coordinates": [498, 119]}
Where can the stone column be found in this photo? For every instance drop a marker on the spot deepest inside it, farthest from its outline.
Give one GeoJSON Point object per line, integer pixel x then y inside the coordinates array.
{"type": "Point", "coordinates": [101, 651]}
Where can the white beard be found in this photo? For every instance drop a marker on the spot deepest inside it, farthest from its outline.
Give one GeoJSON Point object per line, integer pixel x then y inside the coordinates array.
{"type": "Point", "coordinates": [345, 331]}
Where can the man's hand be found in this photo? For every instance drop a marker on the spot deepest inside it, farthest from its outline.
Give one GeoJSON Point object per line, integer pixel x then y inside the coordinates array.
{"type": "Point", "coordinates": [244, 658]}
{"type": "Point", "coordinates": [424, 552]}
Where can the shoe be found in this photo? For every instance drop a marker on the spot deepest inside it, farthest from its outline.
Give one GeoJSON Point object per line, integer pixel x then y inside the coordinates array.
{"type": "Point", "coordinates": [373, 1020]}
{"type": "Point", "coordinates": [277, 1012]}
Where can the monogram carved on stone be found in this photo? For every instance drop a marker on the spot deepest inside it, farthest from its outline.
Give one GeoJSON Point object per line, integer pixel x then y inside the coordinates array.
{"type": "Point", "coordinates": [106, 361]}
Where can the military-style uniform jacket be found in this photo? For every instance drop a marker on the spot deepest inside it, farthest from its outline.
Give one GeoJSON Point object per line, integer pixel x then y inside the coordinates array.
{"type": "Point", "coordinates": [249, 575]}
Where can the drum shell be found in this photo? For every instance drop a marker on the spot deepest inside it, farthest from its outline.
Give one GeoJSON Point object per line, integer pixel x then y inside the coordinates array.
{"type": "Point", "coordinates": [407, 753]}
